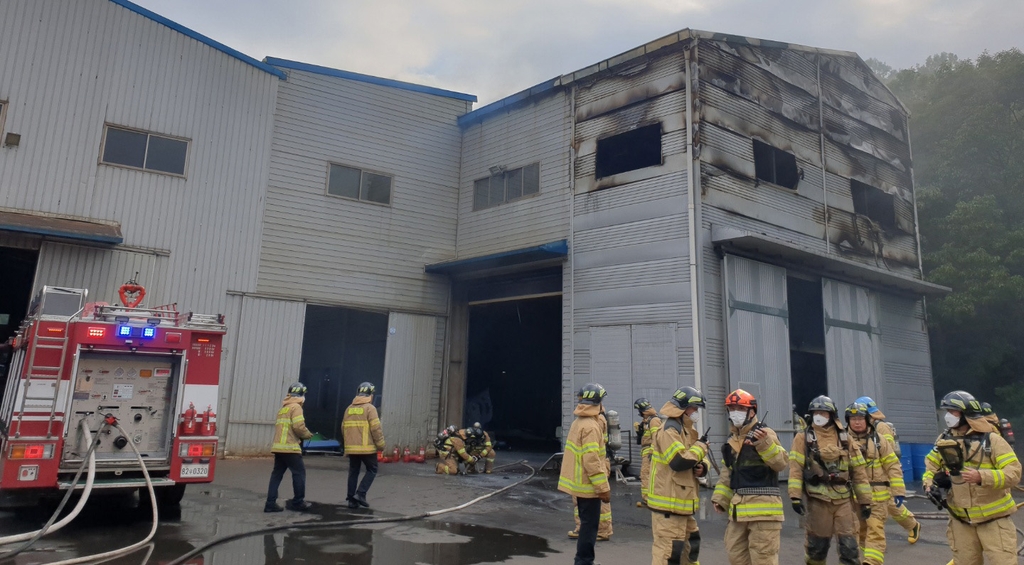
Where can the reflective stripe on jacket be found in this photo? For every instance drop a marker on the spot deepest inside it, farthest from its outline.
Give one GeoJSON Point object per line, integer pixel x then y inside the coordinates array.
{"type": "Point", "coordinates": [752, 507]}
{"type": "Point", "coordinates": [360, 428]}
{"type": "Point", "coordinates": [675, 492]}
{"type": "Point", "coordinates": [584, 467]}
{"type": "Point", "coordinates": [885, 475]}
{"type": "Point", "coordinates": [652, 423]}
{"type": "Point", "coordinates": [850, 462]}
{"type": "Point", "coordinates": [290, 428]}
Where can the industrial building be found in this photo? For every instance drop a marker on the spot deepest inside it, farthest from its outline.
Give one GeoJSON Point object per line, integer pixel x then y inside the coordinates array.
{"type": "Point", "coordinates": [705, 209]}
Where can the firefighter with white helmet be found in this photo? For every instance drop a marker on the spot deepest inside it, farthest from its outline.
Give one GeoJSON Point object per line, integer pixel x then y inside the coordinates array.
{"type": "Point", "coordinates": [585, 468]}
{"type": "Point", "coordinates": [748, 486]}
{"type": "Point", "coordinates": [287, 449]}
{"type": "Point", "coordinates": [361, 431]}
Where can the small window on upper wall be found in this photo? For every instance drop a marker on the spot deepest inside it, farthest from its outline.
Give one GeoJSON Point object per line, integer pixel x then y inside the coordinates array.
{"type": "Point", "coordinates": [506, 186]}
{"type": "Point", "coordinates": [775, 165]}
{"type": "Point", "coordinates": [143, 150]}
{"type": "Point", "coordinates": [874, 203]}
{"type": "Point", "coordinates": [350, 182]}
{"type": "Point", "coordinates": [629, 151]}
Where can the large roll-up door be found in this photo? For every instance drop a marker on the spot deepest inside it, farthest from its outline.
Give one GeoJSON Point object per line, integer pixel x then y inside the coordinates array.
{"type": "Point", "coordinates": [409, 380]}
{"type": "Point", "coordinates": [852, 350]}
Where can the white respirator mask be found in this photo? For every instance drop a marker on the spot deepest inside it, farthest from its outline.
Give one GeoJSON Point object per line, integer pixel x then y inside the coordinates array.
{"type": "Point", "coordinates": [820, 420]}
{"type": "Point", "coordinates": [951, 420]}
{"type": "Point", "coordinates": [737, 417]}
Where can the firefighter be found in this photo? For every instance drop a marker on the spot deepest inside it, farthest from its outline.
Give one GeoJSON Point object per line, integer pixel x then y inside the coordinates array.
{"type": "Point", "coordinates": [748, 486]}
{"type": "Point", "coordinates": [677, 460]}
{"type": "Point", "coordinates": [884, 475]}
{"type": "Point", "coordinates": [974, 464]}
{"type": "Point", "coordinates": [604, 528]}
{"type": "Point", "coordinates": [900, 513]}
{"type": "Point", "coordinates": [826, 466]}
{"type": "Point", "coordinates": [989, 415]}
{"type": "Point", "coordinates": [484, 448]}
{"type": "Point", "coordinates": [585, 469]}
{"type": "Point", "coordinates": [287, 449]}
{"type": "Point", "coordinates": [645, 428]}
{"type": "Point", "coordinates": [452, 450]}
{"type": "Point", "coordinates": [360, 430]}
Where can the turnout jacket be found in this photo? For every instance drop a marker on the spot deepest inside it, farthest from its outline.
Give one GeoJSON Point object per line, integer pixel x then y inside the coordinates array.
{"type": "Point", "coordinates": [650, 424]}
{"type": "Point", "coordinates": [456, 445]}
{"type": "Point", "coordinates": [584, 466]}
{"type": "Point", "coordinates": [885, 475]}
{"type": "Point", "coordinates": [291, 426]}
{"type": "Point", "coordinates": [360, 428]}
{"type": "Point", "coordinates": [1000, 471]}
{"type": "Point", "coordinates": [847, 463]}
{"type": "Point", "coordinates": [742, 504]}
{"type": "Point", "coordinates": [675, 452]}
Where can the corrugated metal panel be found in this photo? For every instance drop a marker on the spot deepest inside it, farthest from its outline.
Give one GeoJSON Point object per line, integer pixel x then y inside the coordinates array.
{"type": "Point", "coordinates": [67, 68]}
{"type": "Point", "coordinates": [758, 328]}
{"type": "Point", "coordinates": [438, 375]}
{"type": "Point", "coordinates": [409, 366]}
{"type": "Point", "coordinates": [655, 371]}
{"type": "Point", "coordinates": [906, 355]}
{"type": "Point", "coordinates": [358, 253]}
{"type": "Point", "coordinates": [266, 361]}
{"type": "Point", "coordinates": [581, 375]}
{"type": "Point", "coordinates": [852, 349]}
{"type": "Point", "coordinates": [102, 271]}
{"type": "Point", "coordinates": [228, 356]}
{"type": "Point", "coordinates": [611, 366]}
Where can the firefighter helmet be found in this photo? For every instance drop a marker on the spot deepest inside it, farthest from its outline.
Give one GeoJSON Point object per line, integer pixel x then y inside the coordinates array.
{"type": "Point", "coordinates": [451, 430]}
{"type": "Point", "coordinates": [686, 397]}
{"type": "Point", "coordinates": [366, 389]}
{"type": "Point", "coordinates": [740, 397]}
{"type": "Point", "coordinates": [857, 409]}
{"type": "Point", "coordinates": [297, 389]}
{"type": "Point", "coordinates": [961, 401]}
{"type": "Point", "coordinates": [986, 409]}
{"type": "Point", "coordinates": [475, 433]}
{"type": "Point", "coordinates": [823, 404]}
{"type": "Point", "coordinates": [869, 402]}
{"type": "Point", "coordinates": [592, 393]}
{"type": "Point", "coordinates": [477, 425]}
{"type": "Point", "coordinates": [642, 405]}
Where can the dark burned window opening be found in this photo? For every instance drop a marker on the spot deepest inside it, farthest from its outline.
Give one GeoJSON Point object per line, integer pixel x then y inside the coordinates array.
{"type": "Point", "coordinates": [875, 203]}
{"type": "Point", "coordinates": [775, 165]}
{"type": "Point", "coordinates": [506, 186]}
{"type": "Point", "coordinates": [629, 151]}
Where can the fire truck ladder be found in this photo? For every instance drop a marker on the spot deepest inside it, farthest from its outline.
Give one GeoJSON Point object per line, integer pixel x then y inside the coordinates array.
{"type": "Point", "coordinates": [45, 373]}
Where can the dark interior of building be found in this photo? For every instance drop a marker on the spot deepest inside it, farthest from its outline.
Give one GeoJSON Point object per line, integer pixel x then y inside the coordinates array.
{"type": "Point", "coordinates": [19, 269]}
{"type": "Point", "coordinates": [514, 375]}
{"type": "Point", "coordinates": [806, 341]}
{"type": "Point", "coordinates": [341, 348]}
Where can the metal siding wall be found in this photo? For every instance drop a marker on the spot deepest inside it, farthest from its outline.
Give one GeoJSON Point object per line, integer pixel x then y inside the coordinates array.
{"type": "Point", "coordinates": [66, 68]}
{"type": "Point", "coordinates": [101, 270]}
{"type": "Point", "coordinates": [853, 356]}
{"type": "Point", "coordinates": [906, 355]}
{"type": "Point", "coordinates": [357, 253]}
{"type": "Point", "coordinates": [268, 356]}
{"type": "Point", "coordinates": [408, 380]}
{"type": "Point", "coordinates": [611, 366]}
{"type": "Point", "coordinates": [655, 374]}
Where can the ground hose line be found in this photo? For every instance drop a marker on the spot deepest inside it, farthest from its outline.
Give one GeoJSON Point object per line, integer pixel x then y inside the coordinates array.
{"type": "Point", "coordinates": [95, 558]}
{"type": "Point", "coordinates": [50, 527]}
{"type": "Point", "coordinates": [348, 523]}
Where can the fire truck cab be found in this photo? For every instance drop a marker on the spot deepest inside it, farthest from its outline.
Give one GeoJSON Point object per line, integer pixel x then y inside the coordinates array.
{"type": "Point", "coordinates": [75, 364]}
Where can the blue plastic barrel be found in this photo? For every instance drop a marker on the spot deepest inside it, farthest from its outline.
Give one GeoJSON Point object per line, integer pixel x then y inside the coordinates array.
{"type": "Point", "coordinates": [918, 451]}
{"type": "Point", "coordinates": [907, 462]}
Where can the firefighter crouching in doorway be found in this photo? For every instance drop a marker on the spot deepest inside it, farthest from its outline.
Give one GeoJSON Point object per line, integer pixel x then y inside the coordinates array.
{"type": "Point", "coordinates": [901, 514]}
{"type": "Point", "coordinates": [585, 468]}
{"type": "Point", "coordinates": [973, 468]}
{"type": "Point", "coordinates": [360, 429]}
{"type": "Point", "coordinates": [748, 486]}
{"type": "Point", "coordinates": [677, 460]}
{"type": "Point", "coordinates": [287, 449]}
{"type": "Point", "coordinates": [885, 477]}
{"type": "Point", "coordinates": [479, 446]}
{"type": "Point", "coordinates": [826, 466]}
{"type": "Point", "coordinates": [645, 428]}
{"type": "Point", "coordinates": [451, 449]}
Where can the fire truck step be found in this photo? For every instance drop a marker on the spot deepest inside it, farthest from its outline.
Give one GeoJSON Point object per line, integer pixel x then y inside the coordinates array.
{"type": "Point", "coordinates": [117, 483]}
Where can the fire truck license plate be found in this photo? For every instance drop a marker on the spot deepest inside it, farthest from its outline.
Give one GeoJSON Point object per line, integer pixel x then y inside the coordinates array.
{"type": "Point", "coordinates": [195, 471]}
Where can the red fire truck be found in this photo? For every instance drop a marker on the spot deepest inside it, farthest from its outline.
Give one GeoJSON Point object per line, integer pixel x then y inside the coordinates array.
{"type": "Point", "coordinates": [76, 364]}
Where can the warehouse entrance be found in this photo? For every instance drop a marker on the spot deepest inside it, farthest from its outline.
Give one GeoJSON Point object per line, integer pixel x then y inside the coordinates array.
{"type": "Point", "coordinates": [19, 269]}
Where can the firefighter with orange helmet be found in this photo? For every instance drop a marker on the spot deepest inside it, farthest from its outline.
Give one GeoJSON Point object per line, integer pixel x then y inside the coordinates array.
{"type": "Point", "coordinates": [287, 449]}
{"type": "Point", "coordinates": [645, 428]}
{"type": "Point", "coordinates": [748, 486]}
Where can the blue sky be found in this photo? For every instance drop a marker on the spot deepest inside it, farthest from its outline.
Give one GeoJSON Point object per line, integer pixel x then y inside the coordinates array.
{"type": "Point", "coordinates": [495, 48]}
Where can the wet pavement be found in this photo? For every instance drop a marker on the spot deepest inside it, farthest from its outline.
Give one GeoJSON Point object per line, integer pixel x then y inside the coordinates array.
{"type": "Point", "coordinates": [526, 525]}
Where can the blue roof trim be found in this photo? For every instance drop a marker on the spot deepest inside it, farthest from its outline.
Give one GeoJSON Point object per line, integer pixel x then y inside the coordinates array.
{"type": "Point", "coordinates": [480, 113]}
{"type": "Point", "coordinates": [199, 37]}
{"type": "Point", "coordinates": [97, 238]}
{"type": "Point", "coordinates": [553, 250]}
{"type": "Point", "coordinates": [307, 67]}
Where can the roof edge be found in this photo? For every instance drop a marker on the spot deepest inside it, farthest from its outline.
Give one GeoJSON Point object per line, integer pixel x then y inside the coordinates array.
{"type": "Point", "coordinates": [198, 37]}
{"type": "Point", "coordinates": [392, 83]}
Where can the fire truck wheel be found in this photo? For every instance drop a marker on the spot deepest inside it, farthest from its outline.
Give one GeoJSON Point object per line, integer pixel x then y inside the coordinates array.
{"type": "Point", "coordinates": [166, 497]}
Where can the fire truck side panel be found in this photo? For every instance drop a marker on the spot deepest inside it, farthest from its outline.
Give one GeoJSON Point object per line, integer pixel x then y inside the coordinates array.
{"type": "Point", "coordinates": [201, 382]}
{"type": "Point", "coordinates": [32, 463]}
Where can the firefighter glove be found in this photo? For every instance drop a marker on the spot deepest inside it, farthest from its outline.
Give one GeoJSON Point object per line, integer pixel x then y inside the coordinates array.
{"type": "Point", "coordinates": [942, 480]}
{"type": "Point", "coordinates": [865, 511]}
{"type": "Point", "coordinates": [605, 496]}
{"type": "Point", "coordinates": [798, 506]}
{"type": "Point", "coordinates": [900, 500]}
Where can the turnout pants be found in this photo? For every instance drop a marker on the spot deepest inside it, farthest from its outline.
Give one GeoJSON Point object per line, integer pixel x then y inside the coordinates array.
{"type": "Point", "coordinates": [590, 514]}
{"type": "Point", "coordinates": [824, 520]}
{"type": "Point", "coordinates": [903, 516]}
{"type": "Point", "coordinates": [448, 465]}
{"type": "Point", "coordinates": [753, 543]}
{"type": "Point", "coordinates": [872, 532]}
{"type": "Point", "coordinates": [291, 462]}
{"type": "Point", "coordinates": [676, 539]}
{"type": "Point", "coordinates": [604, 527]}
{"type": "Point", "coordinates": [645, 476]}
{"type": "Point", "coordinates": [370, 463]}
{"type": "Point", "coordinates": [992, 543]}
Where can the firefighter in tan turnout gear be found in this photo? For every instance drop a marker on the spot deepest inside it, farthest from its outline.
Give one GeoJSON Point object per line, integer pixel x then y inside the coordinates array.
{"type": "Point", "coordinates": [360, 429]}
{"type": "Point", "coordinates": [585, 468]}
{"type": "Point", "coordinates": [970, 472]}
{"type": "Point", "coordinates": [748, 486]}
{"type": "Point", "coordinates": [677, 460]}
{"type": "Point", "coordinates": [828, 468]}
{"type": "Point", "coordinates": [451, 449]}
{"type": "Point", "coordinates": [480, 446]}
{"type": "Point", "coordinates": [900, 513]}
{"type": "Point", "coordinates": [287, 449]}
{"type": "Point", "coordinates": [645, 428]}
{"type": "Point", "coordinates": [885, 477]}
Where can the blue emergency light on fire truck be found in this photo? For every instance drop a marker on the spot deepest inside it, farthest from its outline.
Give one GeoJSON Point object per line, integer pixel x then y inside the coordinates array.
{"type": "Point", "coordinates": [155, 370]}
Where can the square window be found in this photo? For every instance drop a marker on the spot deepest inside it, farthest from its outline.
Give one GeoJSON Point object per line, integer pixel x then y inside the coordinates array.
{"type": "Point", "coordinates": [506, 186]}
{"type": "Point", "coordinates": [497, 192]}
{"type": "Point", "coordinates": [343, 181]}
{"type": "Point", "coordinates": [166, 155]}
{"type": "Point", "coordinates": [144, 150]}
{"type": "Point", "coordinates": [375, 188]}
{"type": "Point", "coordinates": [775, 165]}
{"type": "Point", "coordinates": [125, 147]}
{"type": "Point", "coordinates": [357, 184]}
{"type": "Point", "coordinates": [629, 151]}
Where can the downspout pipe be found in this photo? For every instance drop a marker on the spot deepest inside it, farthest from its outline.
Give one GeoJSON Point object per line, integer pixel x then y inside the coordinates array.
{"type": "Point", "coordinates": [691, 220]}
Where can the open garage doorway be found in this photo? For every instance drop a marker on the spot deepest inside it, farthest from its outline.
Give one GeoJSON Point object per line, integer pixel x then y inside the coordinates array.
{"type": "Point", "coordinates": [341, 348]}
{"type": "Point", "coordinates": [514, 374]}
{"type": "Point", "coordinates": [18, 268]}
